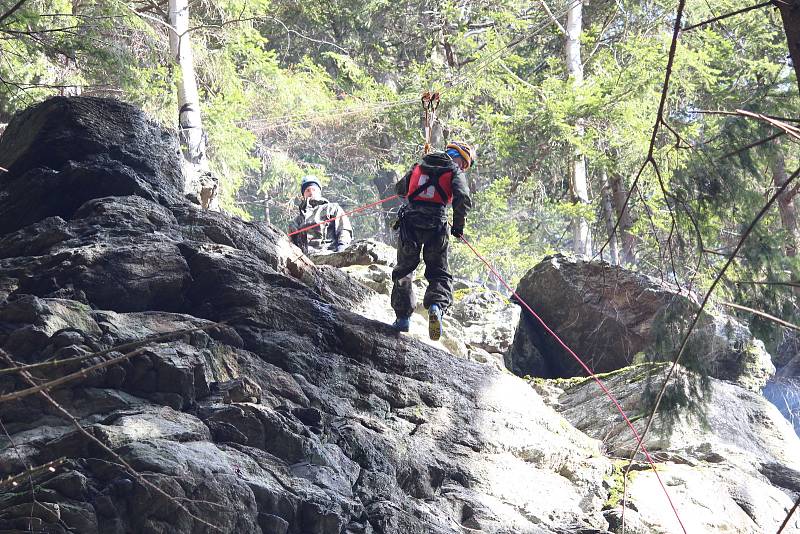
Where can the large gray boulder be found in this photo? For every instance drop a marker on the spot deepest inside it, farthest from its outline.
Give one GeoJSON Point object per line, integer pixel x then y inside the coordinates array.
{"type": "Point", "coordinates": [65, 151]}
{"type": "Point", "coordinates": [296, 416]}
{"type": "Point", "coordinates": [611, 316]}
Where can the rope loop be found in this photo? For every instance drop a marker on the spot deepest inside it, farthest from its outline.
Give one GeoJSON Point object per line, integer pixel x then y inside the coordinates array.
{"type": "Point", "coordinates": [430, 102]}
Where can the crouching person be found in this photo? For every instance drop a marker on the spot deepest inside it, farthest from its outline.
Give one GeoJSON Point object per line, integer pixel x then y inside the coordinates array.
{"type": "Point", "coordinates": [333, 236]}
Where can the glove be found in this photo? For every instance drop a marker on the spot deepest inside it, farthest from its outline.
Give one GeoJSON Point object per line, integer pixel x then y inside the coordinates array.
{"type": "Point", "coordinates": [457, 231]}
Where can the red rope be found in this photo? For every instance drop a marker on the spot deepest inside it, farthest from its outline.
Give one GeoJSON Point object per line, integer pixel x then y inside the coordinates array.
{"type": "Point", "coordinates": [362, 208]}
{"type": "Point", "coordinates": [588, 370]}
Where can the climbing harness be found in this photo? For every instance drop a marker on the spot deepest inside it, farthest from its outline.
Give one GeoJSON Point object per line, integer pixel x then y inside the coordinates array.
{"type": "Point", "coordinates": [430, 102]}
{"type": "Point", "coordinates": [586, 368]}
{"type": "Point", "coordinates": [401, 226]}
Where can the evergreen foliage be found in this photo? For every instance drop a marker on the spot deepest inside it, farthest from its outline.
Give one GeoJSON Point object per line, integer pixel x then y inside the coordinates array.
{"type": "Point", "coordinates": [332, 89]}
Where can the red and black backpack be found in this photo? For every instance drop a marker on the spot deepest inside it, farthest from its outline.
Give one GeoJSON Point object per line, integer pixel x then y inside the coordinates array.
{"type": "Point", "coordinates": [430, 187]}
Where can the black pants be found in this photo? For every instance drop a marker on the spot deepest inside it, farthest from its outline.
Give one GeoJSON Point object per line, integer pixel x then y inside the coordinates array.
{"type": "Point", "coordinates": [432, 239]}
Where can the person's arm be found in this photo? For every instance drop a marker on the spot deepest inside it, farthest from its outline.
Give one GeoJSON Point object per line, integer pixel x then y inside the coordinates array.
{"type": "Point", "coordinates": [462, 203]}
{"type": "Point", "coordinates": [401, 187]}
{"type": "Point", "coordinates": [299, 240]}
{"type": "Point", "coordinates": [344, 230]}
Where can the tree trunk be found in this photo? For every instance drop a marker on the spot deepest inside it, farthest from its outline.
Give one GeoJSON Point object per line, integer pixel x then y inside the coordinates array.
{"type": "Point", "coordinates": [790, 13]}
{"type": "Point", "coordinates": [69, 64]}
{"type": "Point", "coordinates": [199, 181]}
{"type": "Point", "coordinates": [618, 195]}
{"type": "Point", "coordinates": [610, 217]}
{"type": "Point", "coordinates": [786, 206]}
{"type": "Point", "coordinates": [582, 234]}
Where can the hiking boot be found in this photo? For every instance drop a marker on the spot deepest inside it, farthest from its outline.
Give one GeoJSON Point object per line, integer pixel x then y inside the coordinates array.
{"type": "Point", "coordinates": [434, 322]}
{"type": "Point", "coordinates": [402, 324]}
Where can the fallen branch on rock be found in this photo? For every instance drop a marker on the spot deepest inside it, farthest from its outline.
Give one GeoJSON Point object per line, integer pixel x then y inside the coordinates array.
{"type": "Point", "coordinates": [169, 336]}
{"type": "Point", "coordinates": [14, 480]}
{"type": "Point", "coordinates": [52, 384]}
{"type": "Point", "coordinates": [135, 474]}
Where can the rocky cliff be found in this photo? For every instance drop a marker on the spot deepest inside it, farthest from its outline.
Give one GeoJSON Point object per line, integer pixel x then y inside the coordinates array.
{"type": "Point", "coordinates": [276, 407]}
{"type": "Point", "coordinates": [295, 416]}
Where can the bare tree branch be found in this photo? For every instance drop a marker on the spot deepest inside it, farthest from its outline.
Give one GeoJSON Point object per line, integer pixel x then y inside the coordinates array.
{"type": "Point", "coordinates": [728, 15]}
{"type": "Point", "coordinates": [222, 23]}
{"type": "Point", "coordinates": [169, 336]}
{"type": "Point", "coordinates": [789, 516]}
{"type": "Point", "coordinates": [717, 279]}
{"type": "Point", "coordinates": [723, 112]}
{"type": "Point", "coordinates": [11, 11]}
{"type": "Point", "coordinates": [792, 131]}
{"type": "Point", "coordinates": [142, 480]}
{"type": "Point", "coordinates": [14, 480]}
{"type": "Point", "coordinates": [761, 314]}
{"type": "Point", "coordinates": [83, 373]}
{"type": "Point", "coordinates": [752, 145]}
{"type": "Point", "coordinates": [766, 283]}
{"type": "Point", "coordinates": [552, 17]}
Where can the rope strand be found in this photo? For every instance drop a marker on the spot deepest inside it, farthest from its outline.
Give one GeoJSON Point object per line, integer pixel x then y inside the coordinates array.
{"type": "Point", "coordinates": [587, 369]}
{"type": "Point", "coordinates": [362, 208]}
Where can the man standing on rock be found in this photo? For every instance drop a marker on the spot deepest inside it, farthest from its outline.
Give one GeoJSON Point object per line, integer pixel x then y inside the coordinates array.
{"type": "Point", "coordinates": [429, 187]}
{"type": "Point", "coordinates": [314, 209]}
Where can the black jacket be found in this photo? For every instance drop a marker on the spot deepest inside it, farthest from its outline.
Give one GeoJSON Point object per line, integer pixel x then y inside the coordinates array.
{"type": "Point", "coordinates": [438, 163]}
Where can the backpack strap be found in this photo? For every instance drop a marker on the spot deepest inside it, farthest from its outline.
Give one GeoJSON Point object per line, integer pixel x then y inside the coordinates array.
{"type": "Point", "coordinates": [435, 183]}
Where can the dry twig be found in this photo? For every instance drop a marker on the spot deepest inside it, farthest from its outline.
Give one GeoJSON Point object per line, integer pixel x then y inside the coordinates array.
{"type": "Point", "coordinates": [169, 336]}
{"type": "Point", "coordinates": [762, 314]}
{"type": "Point", "coordinates": [13, 480]}
{"type": "Point", "coordinates": [789, 516]}
{"type": "Point", "coordinates": [727, 15]}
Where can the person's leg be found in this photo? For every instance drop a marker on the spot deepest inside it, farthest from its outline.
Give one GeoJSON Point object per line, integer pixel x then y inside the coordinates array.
{"type": "Point", "coordinates": [437, 270]}
{"type": "Point", "coordinates": [403, 299]}
{"type": "Point", "coordinates": [439, 294]}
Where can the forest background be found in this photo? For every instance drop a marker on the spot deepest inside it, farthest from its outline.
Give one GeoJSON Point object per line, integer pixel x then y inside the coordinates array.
{"type": "Point", "coordinates": [578, 151]}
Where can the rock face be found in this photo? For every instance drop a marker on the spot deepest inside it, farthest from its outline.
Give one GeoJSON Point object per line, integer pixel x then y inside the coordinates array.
{"type": "Point", "coordinates": [361, 252]}
{"type": "Point", "coordinates": [609, 316]}
{"type": "Point", "coordinates": [479, 326]}
{"type": "Point", "coordinates": [784, 393]}
{"type": "Point", "coordinates": [296, 416]}
{"type": "Point", "coordinates": [728, 458]}
{"type": "Point", "coordinates": [783, 389]}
